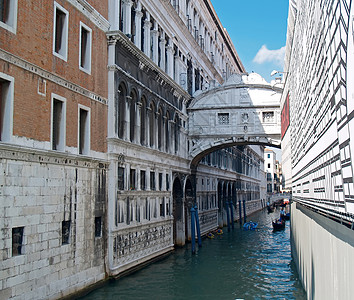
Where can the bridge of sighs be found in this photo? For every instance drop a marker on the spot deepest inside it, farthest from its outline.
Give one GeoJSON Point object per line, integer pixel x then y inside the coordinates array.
{"type": "Point", "coordinates": [245, 110]}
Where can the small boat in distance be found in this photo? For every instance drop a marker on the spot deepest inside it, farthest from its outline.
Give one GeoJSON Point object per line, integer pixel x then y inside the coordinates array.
{"type": "Point", "coordinates": [270, 209]}
{"type": "Point", "coordinates": [250, 225]}
{"type": "Point", "coordinates": [287, 217]}
{"type": "Point", "coordinates": [278, 225]}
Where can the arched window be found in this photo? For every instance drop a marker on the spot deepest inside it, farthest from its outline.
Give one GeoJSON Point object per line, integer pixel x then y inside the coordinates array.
{"type": "Point", "coordinates": [152, 125]}
{"type": "Point", "coordinates": [132, 115]}
{"type": "Point", "coordinates": [133, 25]}
{"type": "Point", "coordinates": [121, 110]}
{"type": "Point", "coordinates": [159, 129]}
{"type": "Point", "coordinates": [176, 133]}
{"type": "Point", "coordinates": [167, 134]}
{"type": "Point", "coordinates": [143, 122]}
{"type": "Point", "coordinates": [121, 15]}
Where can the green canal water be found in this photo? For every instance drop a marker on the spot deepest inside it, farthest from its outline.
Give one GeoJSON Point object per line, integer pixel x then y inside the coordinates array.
{"type": "Point", "coordinates": [235, 265]}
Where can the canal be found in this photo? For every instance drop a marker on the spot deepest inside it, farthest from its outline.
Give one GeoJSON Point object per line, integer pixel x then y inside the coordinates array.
{"type": "Point", "coordinates": [235, 265]}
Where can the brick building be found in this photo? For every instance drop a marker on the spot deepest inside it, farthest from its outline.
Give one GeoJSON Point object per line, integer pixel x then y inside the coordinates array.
{"type": "Point", "coordinates": [53, 144]}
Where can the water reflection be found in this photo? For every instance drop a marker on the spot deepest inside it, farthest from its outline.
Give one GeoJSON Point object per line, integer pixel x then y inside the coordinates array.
{"type": "Point", "coordinates": [236, 265]}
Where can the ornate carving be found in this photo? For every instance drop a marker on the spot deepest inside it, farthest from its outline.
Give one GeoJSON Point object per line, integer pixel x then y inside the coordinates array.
{"type": "Point", "coordinates": [244, 118]}
{"type": "Point", "coordinates": [139, 242]}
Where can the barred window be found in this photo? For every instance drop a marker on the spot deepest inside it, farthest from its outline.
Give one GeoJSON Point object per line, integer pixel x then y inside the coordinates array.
{"type": "Point", "coordinates": [223, 118]}
{"type": "Point", "coordinates": [160, 181]}
{"type": "Point", "coordinates": [65, 232]}
{"type": "Point", "coordinates": [132, 179]}
{"type": "Point", "coordinates": [268, 116]}
{"type": "Point", "coordinates": [120, 178]}
{"type": "Point", "coordinates": [167, 182]}
{"type": "Point", "coordinates": [152, 181]}
{"type": "Point", "coordinates": [17, 239]}
{"type": "Point", "coordinates": [143, 180]}
{"type": "Point", "coordinates": [98, 226]}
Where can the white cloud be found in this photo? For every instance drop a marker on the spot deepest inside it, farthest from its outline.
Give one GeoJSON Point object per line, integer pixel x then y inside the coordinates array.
{"type": "Point", "coordinates": [265, 55]}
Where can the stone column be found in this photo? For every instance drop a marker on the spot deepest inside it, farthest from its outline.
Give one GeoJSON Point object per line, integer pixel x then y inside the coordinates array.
{"type": "Point", "coordinates": [172, 142]}
{"type": "Point", "coordinates": [155, 44]}
{"type": "Point", "coordinates": [137, 123]}
{"type": "Point", "coordinates": [127, 16]}
{"type": "Point", "coordinates": [127, 177]}
{"type": "Point", "coordinates": [112, 118]}
{"type": "Point", "coordinates": [178, 71]}
{"type": "Point", "coordinates": [163, 51]}
{"type": "Point", "coordinates": [147, 26]}
{"type": "Point", "coordinates": [164, 183]}
{"type": "Point", "coordinates": [138, 17]}
{"type": "Point", "coordinates": [147, 128]}
{"type": "Point", "coordinates": [147, 175]}
{"type": "Point", "coordinates": [156, 124]}
{"type": "Point", "coordinates": [169, 63]}
{"type": "Point", "coordinates": [164, 122]}
{"type": "Point", "coordinates": [113, 14]}
{"type": "Point", "coordinates": [126, 135]}
{"type": "Point", "coordinates": [193, 78]}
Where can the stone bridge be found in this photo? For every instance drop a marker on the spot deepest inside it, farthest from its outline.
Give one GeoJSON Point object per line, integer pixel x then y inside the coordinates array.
{"type": "Point", "coordinates": [244, 110]}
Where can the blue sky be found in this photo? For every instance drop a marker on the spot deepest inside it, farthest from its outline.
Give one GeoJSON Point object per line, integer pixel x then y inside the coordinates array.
{"type": "Point", "coordinates": [258, 31]}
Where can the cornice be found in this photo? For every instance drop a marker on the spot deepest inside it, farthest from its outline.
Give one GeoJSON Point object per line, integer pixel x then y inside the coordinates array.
{"type": "Point", "coordinates": [86, 9]}
{"type": "Point", "coordinates": [187, 36]}
{"type": "Point", "coordinates": [22, 153]}
{"type": "Point", "coordinates": [146, 63]}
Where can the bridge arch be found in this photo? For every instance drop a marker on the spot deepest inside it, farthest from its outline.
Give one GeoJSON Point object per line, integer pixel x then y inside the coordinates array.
{"type": "Point", "coordinates": [245, 110]}
{"type": "Point", "coordinates": [223, 144]}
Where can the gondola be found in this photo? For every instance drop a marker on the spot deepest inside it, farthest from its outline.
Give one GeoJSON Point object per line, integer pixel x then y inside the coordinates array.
{"type": "Point", "coordinates": [278, 225]}
{"type": "Point", "coordinates": [270, 209]}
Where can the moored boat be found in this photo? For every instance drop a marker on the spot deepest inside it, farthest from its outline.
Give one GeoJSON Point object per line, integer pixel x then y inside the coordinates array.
{"type": "Point", "coordinates": [270, 209]}
{"type": "Point", "coordinates": [250, 225]}
{"type": "Point", "coordinates": [278, 224]}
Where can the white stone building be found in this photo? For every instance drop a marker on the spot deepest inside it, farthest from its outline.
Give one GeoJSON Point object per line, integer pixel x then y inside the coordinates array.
{"type": "Point", "coordinates": [161, 53]}
{"type": "Point", "coordinates": [270, 169]}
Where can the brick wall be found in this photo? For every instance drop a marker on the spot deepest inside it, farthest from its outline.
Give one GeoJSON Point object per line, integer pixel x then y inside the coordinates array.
{"type": "Point", "coordinates": [33, 43]}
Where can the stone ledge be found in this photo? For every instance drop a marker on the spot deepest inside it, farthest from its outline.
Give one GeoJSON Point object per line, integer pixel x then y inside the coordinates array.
{"type": "Point", "coordinates": [11, 152]}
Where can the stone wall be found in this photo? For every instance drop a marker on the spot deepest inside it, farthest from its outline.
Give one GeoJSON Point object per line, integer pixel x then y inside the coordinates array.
{"type": "Point", "coordinates": [59, 202]}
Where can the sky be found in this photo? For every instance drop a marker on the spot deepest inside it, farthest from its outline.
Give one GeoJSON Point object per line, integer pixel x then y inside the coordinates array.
{"type": "Point", "coordinates": [258, 31]}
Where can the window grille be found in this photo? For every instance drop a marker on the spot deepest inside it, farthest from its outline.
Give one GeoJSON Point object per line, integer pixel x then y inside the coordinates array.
{"type": "Point", "coordinates": [17, 240]}
{"type": "Point", "coordinates": [268, 116]}
{"type": "Point", "coordinates": [223, 119]}
{"type": "Point", "coordinates": [65, 232]}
